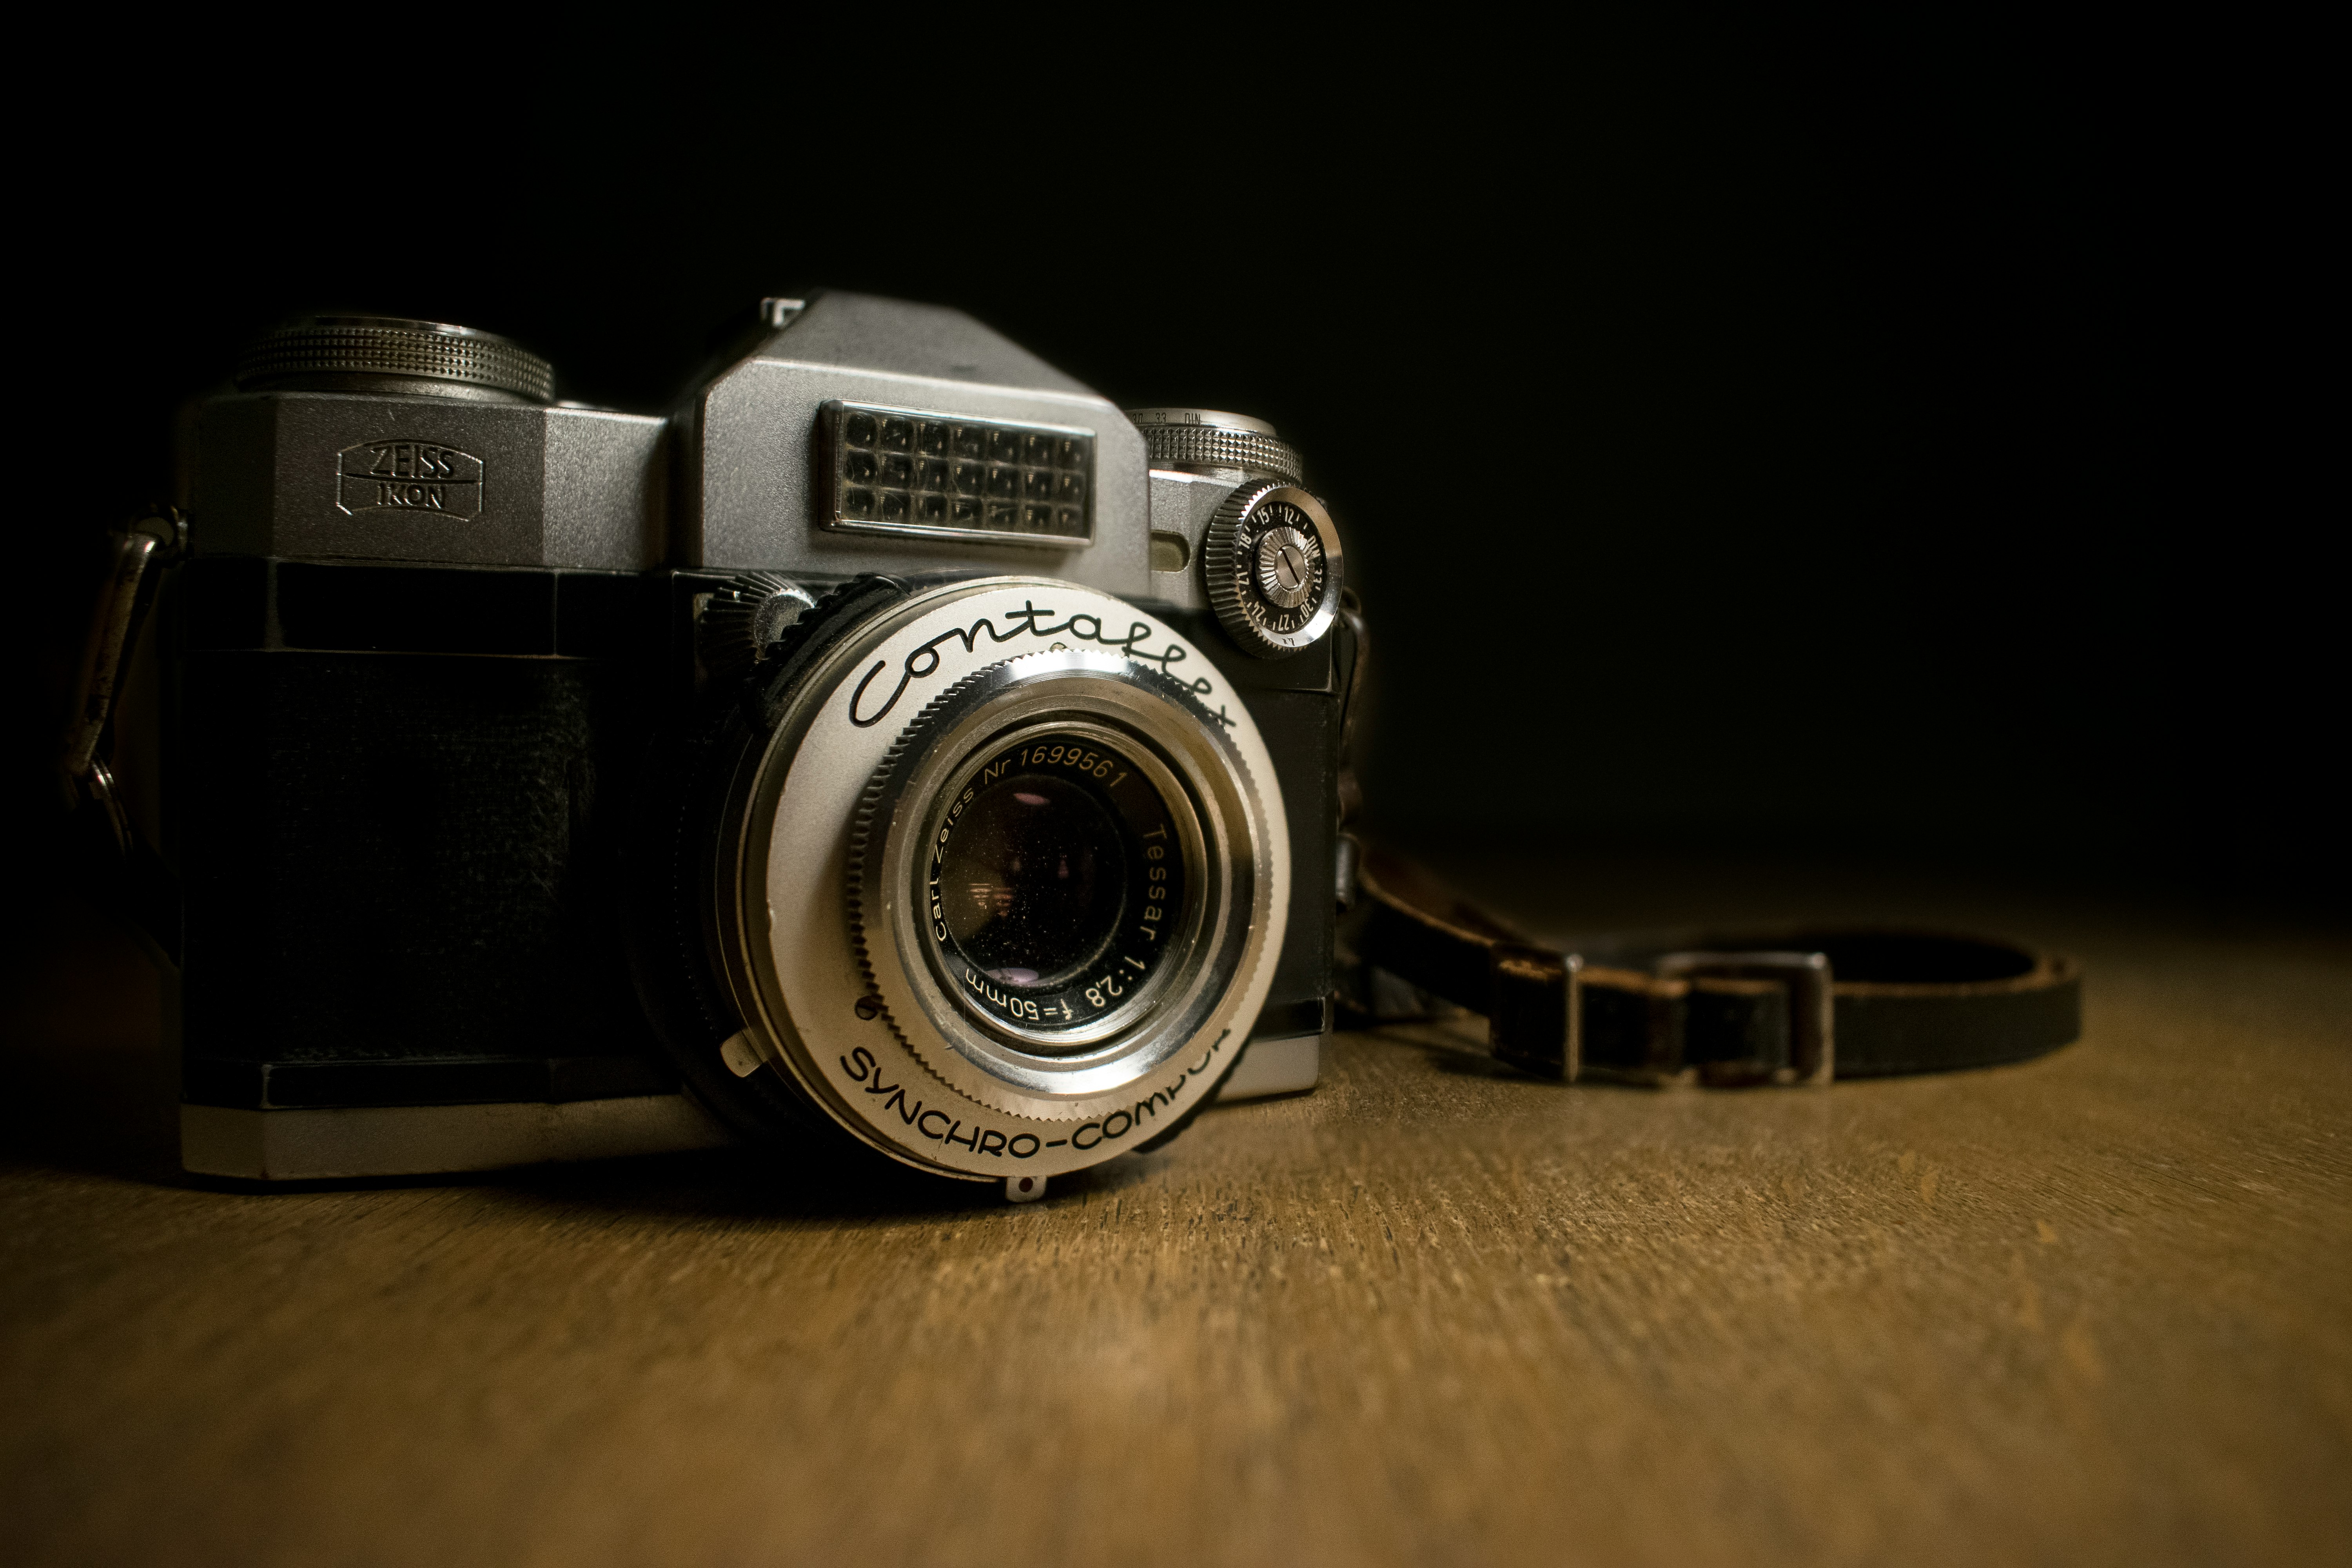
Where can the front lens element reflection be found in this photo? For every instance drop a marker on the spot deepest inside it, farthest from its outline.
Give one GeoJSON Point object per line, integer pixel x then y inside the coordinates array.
{"type": "Point", "coordinates": [1032, 881]}
{"type": "Point", "coordinates": [1055, 886]}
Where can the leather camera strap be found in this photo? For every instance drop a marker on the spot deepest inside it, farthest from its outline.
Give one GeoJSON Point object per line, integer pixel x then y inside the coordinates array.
{"type": "Point", "coordinates": [1727, 1008]}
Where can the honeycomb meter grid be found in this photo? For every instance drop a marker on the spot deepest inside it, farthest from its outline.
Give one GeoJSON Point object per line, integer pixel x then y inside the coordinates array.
{"type": "Point", "coordinates": [902, 471]}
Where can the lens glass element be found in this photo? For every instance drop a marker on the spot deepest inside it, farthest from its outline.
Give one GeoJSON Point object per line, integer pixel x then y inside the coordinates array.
{"type": "Point", "coordinates": [1033, 880]}
{"type": "Point", "coordinates": [1054, 882]}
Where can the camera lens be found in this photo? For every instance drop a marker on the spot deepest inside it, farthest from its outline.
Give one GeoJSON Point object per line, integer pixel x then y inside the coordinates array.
{"type": "Point", "coordinates": [981, 897]}
{"type": "Point", "coordinates": [1054, 878]}
{"type": "Point", "coordinates": [1053, 884]}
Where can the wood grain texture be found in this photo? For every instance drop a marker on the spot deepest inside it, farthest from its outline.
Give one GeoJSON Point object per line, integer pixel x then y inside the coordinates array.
{"type": "Point", "coordinates": [2092, 1309]}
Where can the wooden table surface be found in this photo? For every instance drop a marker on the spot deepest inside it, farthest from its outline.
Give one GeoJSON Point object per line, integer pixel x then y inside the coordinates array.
{"type": "Point", "coordinates": [2094, 1308]}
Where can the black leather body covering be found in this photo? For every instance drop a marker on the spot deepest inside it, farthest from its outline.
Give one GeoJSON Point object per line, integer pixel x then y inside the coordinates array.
{"type": "Point", "coordinates": [392, 796]}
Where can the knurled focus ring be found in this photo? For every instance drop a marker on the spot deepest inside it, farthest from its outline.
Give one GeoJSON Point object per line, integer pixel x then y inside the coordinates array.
{"type": "Point", "coordinates": [474, 361]}
{"type": "Point", "coordinates": [1217, 446]}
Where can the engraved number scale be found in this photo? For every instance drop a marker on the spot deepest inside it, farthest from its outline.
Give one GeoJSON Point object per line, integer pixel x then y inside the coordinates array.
{"type": "Point", "coordinates": [1272, 564]}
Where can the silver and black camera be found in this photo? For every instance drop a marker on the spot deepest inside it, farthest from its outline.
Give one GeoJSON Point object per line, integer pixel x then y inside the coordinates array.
{"type": "Point", "coordinates": [897, 745]}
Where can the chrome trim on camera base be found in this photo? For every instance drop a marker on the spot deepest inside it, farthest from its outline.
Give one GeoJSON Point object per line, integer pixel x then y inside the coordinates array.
{"type": "Point", "coordinates": [412, 1140]}
{"type": "Point", "coordinates": [1292, 1064]}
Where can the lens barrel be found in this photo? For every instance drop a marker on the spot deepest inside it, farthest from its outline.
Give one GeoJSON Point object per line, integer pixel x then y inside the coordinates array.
{"type": "Point", "coordinates": [1119, 1005]}
{"type": "Point", "coordinates": [995, 888]}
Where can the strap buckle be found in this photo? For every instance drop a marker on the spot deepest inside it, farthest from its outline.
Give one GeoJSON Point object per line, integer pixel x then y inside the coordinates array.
{"type": "Point", "coordinates": [1660, 1008]}
{"type": "Point", "coordinates": [1751, 1017]}
{"type": "Point", "coordinates": [1535, 1008]}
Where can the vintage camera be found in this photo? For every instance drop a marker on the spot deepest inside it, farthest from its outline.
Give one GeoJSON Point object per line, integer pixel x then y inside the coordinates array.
{"type": "Point", "coordinates": [898, 748]}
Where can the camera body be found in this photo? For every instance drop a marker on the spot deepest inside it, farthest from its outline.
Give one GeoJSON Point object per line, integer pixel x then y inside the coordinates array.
{"type": "Point", "coordinates": [543, 782]}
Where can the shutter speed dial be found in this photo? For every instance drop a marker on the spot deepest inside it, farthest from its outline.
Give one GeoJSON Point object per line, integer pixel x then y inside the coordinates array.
{"type": "Point", "coordinates": [1272, 559]}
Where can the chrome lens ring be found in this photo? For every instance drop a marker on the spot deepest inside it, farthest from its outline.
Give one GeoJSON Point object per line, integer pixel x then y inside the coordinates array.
{"type": "Point", "coordinates": [812, 1014]}
{"type": "Point", "coordinates": [1086, 1021]}
{"type": "Point", "coordinates": [1153, 722]}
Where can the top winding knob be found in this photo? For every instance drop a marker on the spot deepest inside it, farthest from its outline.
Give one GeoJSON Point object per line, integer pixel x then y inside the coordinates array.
{"type": "Point", "coordinates": [1205, 438]}
{"type": "Point", "coordinates": [388, 354]}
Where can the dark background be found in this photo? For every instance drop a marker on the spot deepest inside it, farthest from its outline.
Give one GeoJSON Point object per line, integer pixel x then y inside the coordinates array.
{"type": "Point", "coordinates": [1860, 440]}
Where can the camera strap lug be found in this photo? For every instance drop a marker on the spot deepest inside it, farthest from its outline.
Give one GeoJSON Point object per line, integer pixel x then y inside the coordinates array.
{"type": "Point", "coordinates": [157, 538]}
{"type": "Point", "coordinates": [134, 877]}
